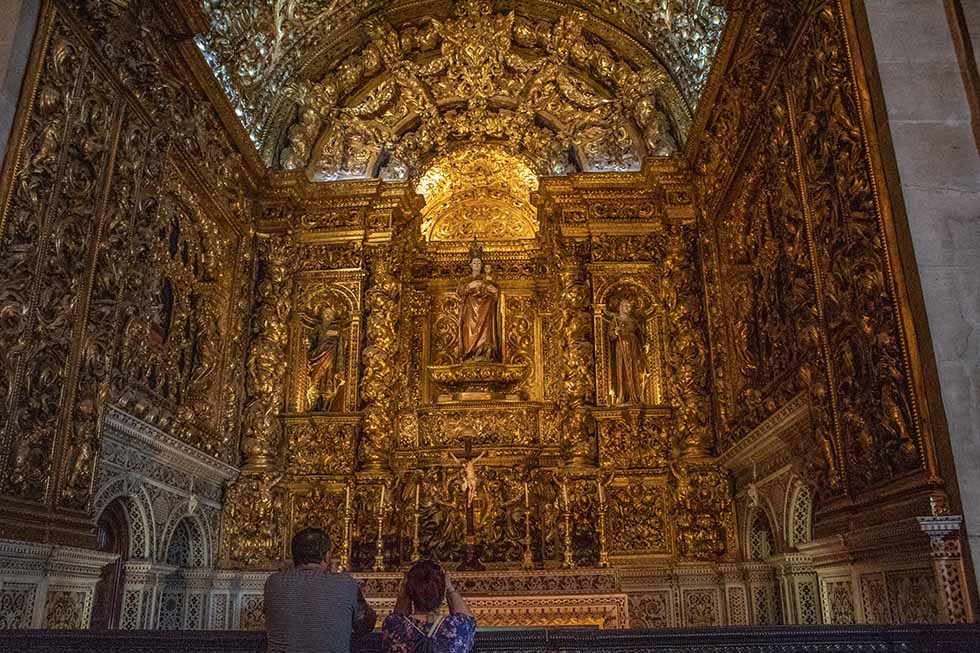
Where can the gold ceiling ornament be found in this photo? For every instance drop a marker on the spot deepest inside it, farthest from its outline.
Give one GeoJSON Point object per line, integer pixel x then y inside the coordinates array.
{"type": "Point", "coordinates": [550, 89]}
{"type": "Point", "coordinates": [478, 192]}
{"type": "Point", "coordinates": [257, 50]}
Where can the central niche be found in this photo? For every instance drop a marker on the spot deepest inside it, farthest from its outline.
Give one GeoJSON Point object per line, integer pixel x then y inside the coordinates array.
{"type": "Point", "coordinates": [481, 192]}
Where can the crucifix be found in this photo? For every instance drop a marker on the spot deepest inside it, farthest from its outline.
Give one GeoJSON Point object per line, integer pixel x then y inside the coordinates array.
{"type": "Point", "coordinates": [471, 561]}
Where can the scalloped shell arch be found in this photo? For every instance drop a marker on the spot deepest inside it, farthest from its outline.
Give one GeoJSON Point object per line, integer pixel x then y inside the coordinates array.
{"type": "Point", "coordinates": [479, 192]}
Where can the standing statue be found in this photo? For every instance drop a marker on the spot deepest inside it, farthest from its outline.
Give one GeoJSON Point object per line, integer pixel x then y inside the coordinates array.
{"type": "Point", "coordinates": [479, 322]}
{"type": "Point", "coordinates": [326, 374]}
{"type": "Point", "coordinates": [627, 355]}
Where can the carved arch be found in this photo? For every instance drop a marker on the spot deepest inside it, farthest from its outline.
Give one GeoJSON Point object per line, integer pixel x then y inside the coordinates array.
{"type": "Point", "coordinates": [139, 513]}
{"type": "Point", "coordinates": [187, 542]}
{"type": "Point", "coordinates": [568, 91]}
{"type": "Point", "coordinates": [799, 515]}
{"type": "Point", "coordinates": [760, 541]}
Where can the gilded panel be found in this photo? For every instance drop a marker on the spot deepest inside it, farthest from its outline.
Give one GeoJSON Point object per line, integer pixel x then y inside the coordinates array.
{"type": "Point", "coordinates": [121, 277]}
{"type": "Point", "coordinates": [320, 444]}
{"type": "Point", "coordinates": [319, 506]}
{"type": "Point", "coordinates": [639, 517]}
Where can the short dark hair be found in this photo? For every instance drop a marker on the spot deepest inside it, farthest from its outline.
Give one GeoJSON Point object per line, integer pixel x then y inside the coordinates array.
{"type": "Point", "coordinates": [310, 546]}
{"type": "Point", "coordinates": [426, 585]}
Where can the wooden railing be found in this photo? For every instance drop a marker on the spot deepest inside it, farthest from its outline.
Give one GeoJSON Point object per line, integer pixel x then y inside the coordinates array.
{"type": "Point", "coordinates": [777, 639]}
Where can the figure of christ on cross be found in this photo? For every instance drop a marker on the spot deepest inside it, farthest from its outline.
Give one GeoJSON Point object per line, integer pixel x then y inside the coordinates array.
{"type": "Point", "coordinates": [471, 561]}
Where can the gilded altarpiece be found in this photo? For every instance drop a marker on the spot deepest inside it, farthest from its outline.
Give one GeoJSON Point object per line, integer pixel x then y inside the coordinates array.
{"type": "Point", "coordinates": [581, 436]}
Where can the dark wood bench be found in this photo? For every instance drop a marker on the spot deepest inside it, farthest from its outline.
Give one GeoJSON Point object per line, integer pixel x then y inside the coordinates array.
{"type": "Point", "coordinates": [776, 639]}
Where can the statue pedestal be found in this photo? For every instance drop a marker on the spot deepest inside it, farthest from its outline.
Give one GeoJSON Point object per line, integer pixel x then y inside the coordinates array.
{"type": "Point", "coordinates": [478, 381]}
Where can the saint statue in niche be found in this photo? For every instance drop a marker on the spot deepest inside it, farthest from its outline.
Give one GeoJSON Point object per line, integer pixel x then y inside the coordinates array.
{"type": "Point", "coordinates": [626, 339]}
{"type": "Point", "coordinates": [324, 358]}
{"type": "Point", "coordinates": [479, 322]}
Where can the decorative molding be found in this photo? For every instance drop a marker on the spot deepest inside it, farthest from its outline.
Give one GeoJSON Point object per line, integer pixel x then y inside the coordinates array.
{"type": "Point", "coordinates": [128, 430]}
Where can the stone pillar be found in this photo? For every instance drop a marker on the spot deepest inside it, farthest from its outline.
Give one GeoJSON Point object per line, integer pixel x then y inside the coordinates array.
{"type": "Point", "coordinates": [798, 588]}
{"type": "Point", "coordinates": [736, 595]}
{"type": "Point", "coordinates": [930, 104]}
{"type": "Point", "coordinates": [47, 586]}
{"type": "Point", "coordinates": [947, 560]}
{"type": "Point", "coordinates": [763, 602]}
{"type": "Point", "coordinates": [16, 35]}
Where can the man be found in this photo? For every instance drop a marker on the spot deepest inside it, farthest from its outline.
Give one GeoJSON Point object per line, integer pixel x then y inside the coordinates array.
{"type": "Point", "coordinates": [310, 608]}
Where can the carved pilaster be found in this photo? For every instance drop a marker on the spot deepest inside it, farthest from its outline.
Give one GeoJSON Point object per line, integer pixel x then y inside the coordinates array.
{"type": "Point", "coordinates": [945, 548]}
{"type": "Point", "coordinates": [798, 588]}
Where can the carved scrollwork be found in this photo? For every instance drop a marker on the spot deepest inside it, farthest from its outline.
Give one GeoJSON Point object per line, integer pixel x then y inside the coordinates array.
{"type": "Point", "coordinates": [639, 517]}
{"type": "Point", "coordinates": [255, 507]}
{"type": "Point", "coordinates": [538, 65]}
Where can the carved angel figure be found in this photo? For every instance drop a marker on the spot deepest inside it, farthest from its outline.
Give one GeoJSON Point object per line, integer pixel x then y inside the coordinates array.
{"type": "Point", "coordinates": [326, 374]}
{"type": "Point", "coordinates": [626, 339]}
{"type": "Point", "coordinates": [479, 322]}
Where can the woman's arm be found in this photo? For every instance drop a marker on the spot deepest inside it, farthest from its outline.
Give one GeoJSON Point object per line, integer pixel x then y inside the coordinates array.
{"type": "Point", "coordinates": [457, 604]}
{"type": "Point", "coordinates": [403, 604]}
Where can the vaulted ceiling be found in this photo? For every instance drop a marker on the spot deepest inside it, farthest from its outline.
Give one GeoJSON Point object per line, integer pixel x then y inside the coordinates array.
{"type": "Point", "coordinates": [368, 88]}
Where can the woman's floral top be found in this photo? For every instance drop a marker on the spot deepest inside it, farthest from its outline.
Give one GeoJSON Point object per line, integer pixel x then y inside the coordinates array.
{"type": "Point", "coordinates": [401, 633]}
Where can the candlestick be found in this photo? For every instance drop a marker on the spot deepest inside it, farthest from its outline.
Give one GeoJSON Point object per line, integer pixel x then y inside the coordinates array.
{"type": "Point", "coordinates": [603, 552]}
{"type": "Point", "coordinates": [602, 493]}
{"type": "Point", "coordinates": [528, 556]}
{"type": "Point", "coordinates": [416, 541]}
{"type": "Point", "coordinates": [379, 550]}
{"type": "Point", "coordinates": [567, 559]}
{"type": "Point", "coordinates": [345, 550]}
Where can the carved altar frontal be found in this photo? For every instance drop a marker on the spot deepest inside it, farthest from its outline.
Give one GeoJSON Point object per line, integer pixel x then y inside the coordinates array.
{"type": "Point", "coordinates": [507, 599]}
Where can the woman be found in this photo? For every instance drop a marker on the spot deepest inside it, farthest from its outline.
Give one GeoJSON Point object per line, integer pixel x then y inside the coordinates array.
{"type": "Point", "coordinates": [416, 625]}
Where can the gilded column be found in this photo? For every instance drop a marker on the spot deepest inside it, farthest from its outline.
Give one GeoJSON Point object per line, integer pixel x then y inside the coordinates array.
{"type": "Point", "coordinates": [378, 384]}
{"type": "Point", "coordinates": [267, 356]}
{"type": "Point", "coordinates": [687, 354]}
{"type": "Point", "coordinates": [579, 378]}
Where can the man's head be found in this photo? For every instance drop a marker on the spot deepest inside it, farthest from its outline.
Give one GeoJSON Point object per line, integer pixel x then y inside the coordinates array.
{"type": "Point", "coordinates": [311, 546]}
{"type": "Point", "coordinates": [426, 585]}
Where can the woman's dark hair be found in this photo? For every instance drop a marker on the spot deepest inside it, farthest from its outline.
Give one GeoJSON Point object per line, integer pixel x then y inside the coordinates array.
{"type": "Point", "coordinates": [310, 546]}
{"type": "Point", "coordinates": [426, 585]}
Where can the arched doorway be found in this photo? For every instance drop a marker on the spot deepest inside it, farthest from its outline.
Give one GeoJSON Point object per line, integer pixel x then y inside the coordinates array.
{"type": "Point", "coordinates": [182, 607]}
{"type": "Point", "coordinates": [112, 537]}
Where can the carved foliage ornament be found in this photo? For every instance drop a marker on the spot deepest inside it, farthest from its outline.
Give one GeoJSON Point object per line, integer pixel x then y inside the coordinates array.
{"type": "Point", "coordinates": [256, 50]}
{"type": "Point", "coordinates": [117, 274]}
{"type": "Point", "coordinates": [540, 88]}
{"type": "Point", "coordinates": [803, 288]}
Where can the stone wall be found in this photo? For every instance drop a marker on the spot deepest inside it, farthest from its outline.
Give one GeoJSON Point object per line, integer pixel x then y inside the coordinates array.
{"type": "Point", "coordinates": [16, 32]}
